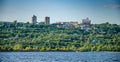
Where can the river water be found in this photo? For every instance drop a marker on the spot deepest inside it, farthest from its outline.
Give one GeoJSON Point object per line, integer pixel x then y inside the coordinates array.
{"type": "Point", "coordinates": [59, 56]}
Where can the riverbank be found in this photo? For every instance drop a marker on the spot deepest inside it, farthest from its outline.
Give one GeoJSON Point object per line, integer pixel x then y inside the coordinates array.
{"type": "Point", "coordinates": [57, 51]}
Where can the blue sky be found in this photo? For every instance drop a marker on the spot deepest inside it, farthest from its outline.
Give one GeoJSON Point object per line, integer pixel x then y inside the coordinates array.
{"type": "Point", "coordinates": [99, 11]}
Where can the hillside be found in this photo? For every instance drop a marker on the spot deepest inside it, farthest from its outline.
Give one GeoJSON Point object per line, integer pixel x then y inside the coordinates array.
{"type": "Point", "coordinates": [28, 37]}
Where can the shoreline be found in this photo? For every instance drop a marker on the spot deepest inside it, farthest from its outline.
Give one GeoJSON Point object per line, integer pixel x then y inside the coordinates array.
{"type": "Point", "coordinates": [59, 51]}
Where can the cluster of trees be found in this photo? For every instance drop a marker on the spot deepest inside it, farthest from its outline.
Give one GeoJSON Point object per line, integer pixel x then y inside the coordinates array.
{"type": "Point", "coordinates": [28, 37]}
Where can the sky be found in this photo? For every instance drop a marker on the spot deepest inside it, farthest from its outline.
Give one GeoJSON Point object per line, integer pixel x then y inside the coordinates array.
{"type": "Point", "coordinates": [98, 11]}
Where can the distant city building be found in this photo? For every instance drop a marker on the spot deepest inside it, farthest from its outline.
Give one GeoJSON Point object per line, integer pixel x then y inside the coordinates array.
{"type": "Point", "coordinates": [85, 24]}
{"type": "Point", "coordinates": [86, 21]}
{"type": "Point", "coordinates": [73, 23]}
{"type": "Point", "coordinates": [5, 22]}
{"type": "Point", "coordinates": [34, 19]}
{"type": "Point", "coordinates": [41, 22]}
{"type": "Point", "coordinates": [47, 20]}
{"type": "Point", "coordinates": [62, 24]}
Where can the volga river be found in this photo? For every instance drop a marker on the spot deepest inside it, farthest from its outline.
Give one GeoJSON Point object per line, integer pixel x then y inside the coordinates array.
{"type": "Point", "coordinates": [59, 56]}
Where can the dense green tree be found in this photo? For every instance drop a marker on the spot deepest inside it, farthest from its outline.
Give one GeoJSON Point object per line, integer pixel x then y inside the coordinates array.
{"type": "Point", "coordinates": [28, 37]}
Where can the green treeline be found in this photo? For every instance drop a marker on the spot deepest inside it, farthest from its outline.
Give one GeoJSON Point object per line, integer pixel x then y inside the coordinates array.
{"type": "Point", "coordinates": [29, 37]}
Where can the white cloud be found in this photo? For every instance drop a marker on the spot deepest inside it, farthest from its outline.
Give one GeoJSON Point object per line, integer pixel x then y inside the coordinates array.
{"type": "Point", "coordinates": [113, 6]}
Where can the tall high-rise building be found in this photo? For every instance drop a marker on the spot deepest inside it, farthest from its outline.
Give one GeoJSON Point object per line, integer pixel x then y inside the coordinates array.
{"type": "Point", "coordinates": [34, 19]}
{"type": "Point", "coordinates": [47, 20]}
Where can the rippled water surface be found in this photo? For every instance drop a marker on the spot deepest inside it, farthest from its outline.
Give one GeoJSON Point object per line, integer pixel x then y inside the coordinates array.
{"type": "Point", "coordinates": [59, 57]}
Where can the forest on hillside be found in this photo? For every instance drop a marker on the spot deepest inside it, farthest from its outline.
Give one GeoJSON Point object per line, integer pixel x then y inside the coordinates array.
{"type": "Point", "coordinates": [29, 37]}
